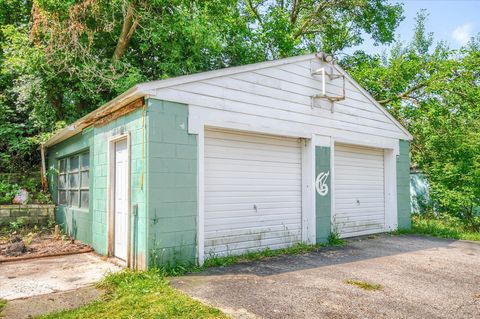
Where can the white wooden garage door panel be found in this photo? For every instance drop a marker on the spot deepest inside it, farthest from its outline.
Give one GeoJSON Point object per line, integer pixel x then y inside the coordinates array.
{"type": "Point", "coordinates": [359, 190]}
{"type": "Point", "coordinates": [243, 170]}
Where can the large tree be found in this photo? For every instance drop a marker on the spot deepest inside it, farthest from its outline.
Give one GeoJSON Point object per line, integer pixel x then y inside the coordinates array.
{"type": "Point", "coordinates": [60, 59]}
{"type": "Point", "coordinates": [289, 27]}
{"type": "Point", "coordinates": [435, 93]}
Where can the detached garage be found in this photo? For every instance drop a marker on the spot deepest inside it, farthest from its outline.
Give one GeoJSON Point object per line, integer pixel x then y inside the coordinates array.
{"type": "Point", "coordinates": [225, 162]}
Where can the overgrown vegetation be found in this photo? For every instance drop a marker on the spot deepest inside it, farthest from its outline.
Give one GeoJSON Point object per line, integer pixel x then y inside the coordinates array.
{"type": "Point", "coordinates": [10, 185]}
{"type": "Point", "coordinates": [364, 285]}
{"type": "Point", "coordinates": [140, 295]}
{"type": "Point", "coordinates": [299, 248]}
{"type": "Point", "coordinates": [179, 268]}
{"type": "Point", "coordinates": [59, 59]}
{"type": "Point", "coordinates": [21, 228]}
{"type": "Point", "coordinates": [443, 226]}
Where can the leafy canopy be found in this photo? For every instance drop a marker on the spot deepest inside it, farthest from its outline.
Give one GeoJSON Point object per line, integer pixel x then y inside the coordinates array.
{"type": "Point", "coordinates": [435, 93]}
{"type": "Point", "coordinates": [61, 59]}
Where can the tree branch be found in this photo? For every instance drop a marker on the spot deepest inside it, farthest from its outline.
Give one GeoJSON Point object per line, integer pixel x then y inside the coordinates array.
{"type": "Point", "coordinates": [404, 94]}
{"type": "Point", "coordinates": [295, 10]}
{"type": "Point", "coordinates": [128, 28]}
{"type": "Point", "coordinates": [308, 21]}
{"type": "Point", "coordinates": [254, 11]}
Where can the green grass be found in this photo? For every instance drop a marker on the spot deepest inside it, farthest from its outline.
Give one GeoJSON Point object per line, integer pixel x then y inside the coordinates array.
{"type": "Point", "coordinates": [364, 285]}
{"type": "Point", "coordinates": [443, 227]}
{"type": "Point", "coordinates": [140, 295]}
{"type": "Point", "coordinates": [3, 304]}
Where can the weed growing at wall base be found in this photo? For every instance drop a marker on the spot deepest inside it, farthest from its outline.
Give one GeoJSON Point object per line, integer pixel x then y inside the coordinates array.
{"type": "Point", "coordinates": [299, 248]}
{"type": "Point", "coordinates": [178, 268]}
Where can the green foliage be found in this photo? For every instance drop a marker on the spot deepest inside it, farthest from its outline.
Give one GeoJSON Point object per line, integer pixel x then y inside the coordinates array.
{"type": "Point", "coordinates": [285, 28]}
{"type": "Point", "coordinates": [140, 295]}
{"type": "Point", "coordinates": [334, 239]}
{"type": "Point", "coordinates": [7, 192]}
{"type": "Point", "coordinates": [59, 60]}
{"type": "Point", "coordinates": [10, 184]}
{"type": "Point", "coordinates": [16, 225]}
{"type": "Point", "coordinates": [435, 93]}
{"type": "Point", "coordinates": [444, 226]}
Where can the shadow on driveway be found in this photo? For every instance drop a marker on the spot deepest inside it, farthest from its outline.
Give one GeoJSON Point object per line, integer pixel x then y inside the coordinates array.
{"type": "Point", "coordinates": [421, 277]}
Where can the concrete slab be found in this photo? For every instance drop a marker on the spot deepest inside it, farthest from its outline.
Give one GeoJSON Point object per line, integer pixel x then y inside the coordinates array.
{"type": "Point", "coordinates": [22, 279]}
{"type": "Point", "coordinates": [420, 277]}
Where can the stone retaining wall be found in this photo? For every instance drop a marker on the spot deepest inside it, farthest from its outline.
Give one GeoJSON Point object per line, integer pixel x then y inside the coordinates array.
{"type": "Point", "coordinates": [31, 214]}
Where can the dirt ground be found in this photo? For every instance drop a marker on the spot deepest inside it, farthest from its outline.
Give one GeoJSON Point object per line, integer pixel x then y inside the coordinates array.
{"type": "Point", "coordinates": [37, 243]}
{"type": "Point", "coordinates": [419, 277]}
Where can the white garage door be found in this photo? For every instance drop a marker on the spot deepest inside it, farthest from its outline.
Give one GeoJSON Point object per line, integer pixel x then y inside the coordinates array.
{"type": "Point", "coordinates": [252, 192]}
{"type": "Point", "coordinates": [359, 191]}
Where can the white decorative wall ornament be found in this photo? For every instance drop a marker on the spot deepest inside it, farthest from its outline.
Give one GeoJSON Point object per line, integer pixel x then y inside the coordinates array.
{"type": "Point", "coordinates": [321, 183]}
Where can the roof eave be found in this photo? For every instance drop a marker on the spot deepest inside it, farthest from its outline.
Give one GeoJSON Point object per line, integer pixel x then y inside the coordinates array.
{"type": "Point", "coordinates": [78, 126]}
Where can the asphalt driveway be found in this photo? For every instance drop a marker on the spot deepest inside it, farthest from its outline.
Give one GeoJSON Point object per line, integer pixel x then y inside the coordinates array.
{"type": "Point", "coordinates": [420, 277]}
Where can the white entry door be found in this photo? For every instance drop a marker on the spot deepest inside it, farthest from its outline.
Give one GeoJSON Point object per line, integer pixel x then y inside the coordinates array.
{"type": "Point", "coordinates": [121, 199]}
{"type": "Point", "coordinates": [253, 196]}
{"type": "Point", "coordinates": [359, 190]}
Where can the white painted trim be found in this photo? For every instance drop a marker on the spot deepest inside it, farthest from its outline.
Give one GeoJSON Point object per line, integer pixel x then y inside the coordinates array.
{"type": "Point", "coordinates": [196, 125]}
{"type": "Point", "coordinates": [321, 140]}
{"type": "Point", "coordinates": [332, 185]}
{"type": "Point", "coordinates": [111, 195]}
{"type": "Point", "coordinates": [310, 192]}
{"type": "Point", "coordinates": [308, 195]}
{"type": "Point", "coordinates": [393, 144]}
{"type": "Point", "coordinates": [201, 196]}
{"type": "Point", "coordinates": [390, 175]}
{"type": "Point", "coordinates": [200, 116]}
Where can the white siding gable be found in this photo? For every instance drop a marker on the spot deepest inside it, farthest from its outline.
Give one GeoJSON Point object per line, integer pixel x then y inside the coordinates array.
{"type": "Point", "coordinates": [277, 98]}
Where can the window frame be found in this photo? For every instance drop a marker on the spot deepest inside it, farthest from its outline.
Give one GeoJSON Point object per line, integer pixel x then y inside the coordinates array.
{"type": "Point", "coordinates": [67, 173]}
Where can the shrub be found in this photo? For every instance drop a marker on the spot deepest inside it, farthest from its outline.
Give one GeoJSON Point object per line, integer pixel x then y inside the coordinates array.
{"type": "Point", "coordinates": [7, 192]}
{"type": "Point", "coordinates": [10, 184]}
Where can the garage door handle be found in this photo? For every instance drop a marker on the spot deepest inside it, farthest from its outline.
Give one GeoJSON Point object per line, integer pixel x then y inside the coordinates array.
{"type": "Point", "coordinates": [358, 202]}
{"type": "Point", "coordinates": [255, 207]}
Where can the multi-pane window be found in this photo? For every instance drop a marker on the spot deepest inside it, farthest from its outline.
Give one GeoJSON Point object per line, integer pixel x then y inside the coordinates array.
{"type": "Point", "coordinates": [73, 180]}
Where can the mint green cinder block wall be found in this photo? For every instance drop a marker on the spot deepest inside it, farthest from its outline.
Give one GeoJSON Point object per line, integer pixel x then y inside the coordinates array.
{"type": "Point", "coordinates": [128, 124]}
{"type": "Point", "coordinates": [172, 184]}
{"type": "Point", "coordinates": [75, 221]}
{"type": "Point", "coordinates": [403, 186]}
{"type": "Point", "coordinates": [323, 203]}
